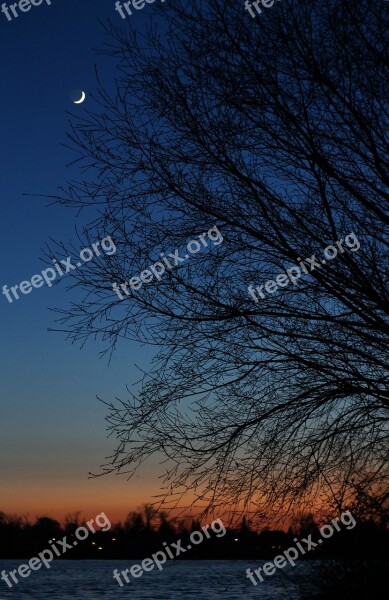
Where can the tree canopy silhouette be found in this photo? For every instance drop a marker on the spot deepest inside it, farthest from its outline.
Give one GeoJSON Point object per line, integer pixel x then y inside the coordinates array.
{"type": "Point", "coordinates": [273, 130]}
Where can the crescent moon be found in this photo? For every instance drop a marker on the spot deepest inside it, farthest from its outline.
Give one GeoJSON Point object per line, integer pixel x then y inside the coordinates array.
{"type": "Point", "coordinates": [83, 96]}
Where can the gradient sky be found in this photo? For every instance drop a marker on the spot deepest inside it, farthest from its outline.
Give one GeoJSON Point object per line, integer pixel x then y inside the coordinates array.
{"type": "Point", "coordinates": [52, 428]}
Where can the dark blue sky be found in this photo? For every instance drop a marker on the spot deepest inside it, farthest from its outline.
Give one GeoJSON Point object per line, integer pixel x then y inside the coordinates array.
{"type": "Point", "coordinates": [52, 429]}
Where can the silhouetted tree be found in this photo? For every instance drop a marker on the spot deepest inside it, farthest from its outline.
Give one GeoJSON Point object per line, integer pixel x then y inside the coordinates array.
{"type": "Point", "coordinates": [304, 524]}
{"type": "Point", "coordinates": [274, 130]}
{"type": "Point", "coordinates": [244, 528]}
{"type": "Point", "coordinates": [47, 528]}
{"type": "Point", "coordinates": [166, 529]}
{"type": "Point", "coordinates": [371, 507]}
{"type": "Point", "coordinates": [72, 521]}
{"type": "Point", "coordinates": [134, 522]}
{"type": "Point", "coordinates": [150, 514]}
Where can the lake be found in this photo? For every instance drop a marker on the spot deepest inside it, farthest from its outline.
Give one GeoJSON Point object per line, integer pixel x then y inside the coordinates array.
{"type": "Point", "coordinates": [203, 580]}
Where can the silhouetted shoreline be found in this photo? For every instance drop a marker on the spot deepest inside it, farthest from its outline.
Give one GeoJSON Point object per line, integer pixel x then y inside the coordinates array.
{"type": "Point", "coordinates": [138, 538]}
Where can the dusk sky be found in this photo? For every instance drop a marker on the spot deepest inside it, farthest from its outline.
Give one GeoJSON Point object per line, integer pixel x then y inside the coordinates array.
{"type": "Point", "coordinates": [194, 299]}
{"type": "Point", "coordinates": [202, 134]}
{"type": "Point", "coordinates": [52, 429]}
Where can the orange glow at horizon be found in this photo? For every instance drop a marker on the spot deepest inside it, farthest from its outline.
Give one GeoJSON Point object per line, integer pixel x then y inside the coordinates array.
{"type": "Point", "coordinates": [115, 496]}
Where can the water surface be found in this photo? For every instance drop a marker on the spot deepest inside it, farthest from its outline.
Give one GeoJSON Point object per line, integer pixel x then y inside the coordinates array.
{"type": "Point", "coordinates": [203, 580]}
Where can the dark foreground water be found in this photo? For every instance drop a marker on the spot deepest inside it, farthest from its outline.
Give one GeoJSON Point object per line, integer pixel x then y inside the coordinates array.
{"type": "Point", "coordinates": [203, 580]}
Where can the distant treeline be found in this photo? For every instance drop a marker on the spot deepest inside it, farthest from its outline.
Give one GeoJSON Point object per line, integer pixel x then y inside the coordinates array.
{"type": "Point", "coordinates": [144, 532]}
